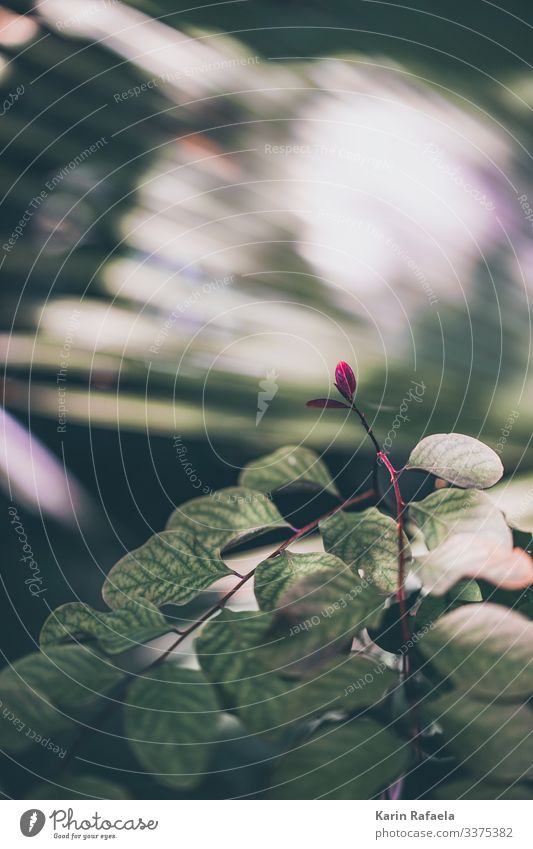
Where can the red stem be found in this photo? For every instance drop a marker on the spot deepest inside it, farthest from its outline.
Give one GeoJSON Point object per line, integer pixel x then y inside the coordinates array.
{"type": "Point", "coordinates": [400, 592]}
{"type": "Point", "coordinates": [400, 595]}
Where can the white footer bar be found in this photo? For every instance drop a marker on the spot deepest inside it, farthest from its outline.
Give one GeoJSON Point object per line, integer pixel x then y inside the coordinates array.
{"type": "Point", "coordinates": [268, 824]}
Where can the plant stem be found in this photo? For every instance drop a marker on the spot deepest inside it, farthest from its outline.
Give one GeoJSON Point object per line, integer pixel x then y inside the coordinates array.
{"type": "Point", "coordinates": [400, 506]}
{"type": "Point", "coordinates": [400, 592]}
{"type": "Point", "coordinates": [381, 456]}
{"type": "Point", "coordinates": [367, 428]}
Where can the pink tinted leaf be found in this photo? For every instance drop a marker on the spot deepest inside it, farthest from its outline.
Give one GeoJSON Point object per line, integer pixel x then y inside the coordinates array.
{"type": "Point", "coordinates": [469, 555]}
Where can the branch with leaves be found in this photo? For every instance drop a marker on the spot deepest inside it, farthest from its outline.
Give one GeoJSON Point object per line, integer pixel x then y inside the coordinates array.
{"type": "Point", "coordinates": [396, 654]}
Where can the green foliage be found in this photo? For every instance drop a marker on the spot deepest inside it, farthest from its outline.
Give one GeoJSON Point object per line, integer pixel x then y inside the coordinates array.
{"type": "Point", "coordinates": [456, 511]}
{"type": "Point", "coordinates": [351, 761]}
{"type": "Point", "coordinates": [296, 677]}
{"type": "Point", "coordinates": [173, 566]}
{"type": "Point", "coordinates": [228, 644]}
{"type": "Point", "coordinates": [279, 579]}
{"type": "Point", "coordinates": [137, 622]}
{"type": "Point", "coordinates": [230, 516]}
{"type": "Point", "coordinates": [368, 542]}
{"type": "Point", "coordinates": [170, 719]}
{"type": "Point", "coordinates": [229, 651]}
{"type": "Point", "coordinates": [489, 740]}
{"type": "Point", "coordinates": [295, 466]}
{"type": "Point", "coordinates": [71, 676]}
{"type": "Point", "coordinates": [42, 693]}
{"type": "Point", "coordinates": [318, 588]}
{"type": "Point", "coordinates": [485, 649]}
{"type": "Point", "coordinates": [232, 656]}
{"type": "Point", "coordinates": [177, 564]}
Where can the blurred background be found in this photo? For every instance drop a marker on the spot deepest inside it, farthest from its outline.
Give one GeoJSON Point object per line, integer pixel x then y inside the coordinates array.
{"type": "Point", "coordinates": [204, 209]}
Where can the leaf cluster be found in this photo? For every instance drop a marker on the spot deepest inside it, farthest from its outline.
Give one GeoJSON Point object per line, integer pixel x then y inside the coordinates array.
{"type": "Point", "coordinates": [310, 672]}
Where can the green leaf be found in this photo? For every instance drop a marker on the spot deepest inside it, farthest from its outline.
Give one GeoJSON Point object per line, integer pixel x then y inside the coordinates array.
{"type": "Point", "coordinates": [451, 511]}
{"type": "Point", "coordinates": [368, 542]}
{"type": "Point", "coordinates": [71, 785]}
{"type": "Point", "coordinates": [173, 566]}
{"type": "Point", "coordinates": [137, 622]}
{"type": "Point", "coordinates": [347, 684]}
{"type": "Point", "coordinates": [297, 651]}
{"type": "Point", "coordinates": [26, 712]}
{"type": "Point", "coordinates": [472, 556]}
{"type": "Point", "coordinates": [334, 593]}
{"type": "Point", "coordinates": [485, 649]}
{"type": "Point", "coordinates": [227, 642]}
{"type": "Point", "coordinates": [71, 676]}
{"type": "Point", "coordinates": [490, 740]}
{"type": "Point", "coordinates": [276, 575]}
{"type": "Point", "coordinates": [176, 565]}
{"type": "Point", "coordinates": [459, 459]}
{"type": "Point", "coordinates": [40, 692]}
{"type": "Point", "coordinates": [352, 761]}
{"type": "Point", "coordinates": [317, 586]}
{"type": "Point", "coordinates": [230, 651]}
{"type": "Point", "coordinates": [170, 720]}
{"type": "Point", "coordinates": [293, 465]}
{"type": "Point", "coordinates": [464, 592]}
{"type": "Point", "coordinates": [229, 516]}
